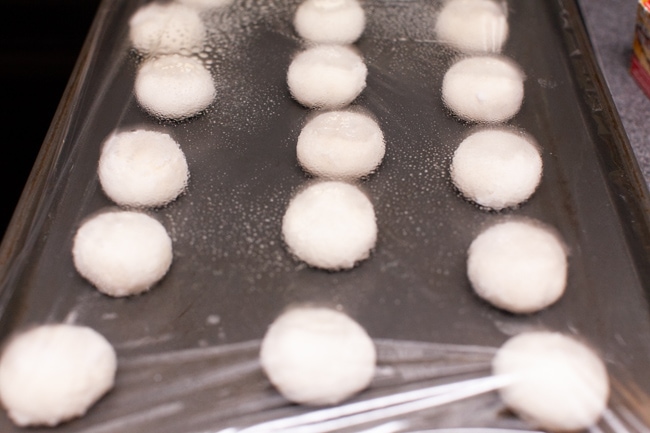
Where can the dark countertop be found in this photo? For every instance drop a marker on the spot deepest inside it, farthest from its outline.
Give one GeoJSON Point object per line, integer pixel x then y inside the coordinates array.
{"type": "Point", "coordinates": [38, 54]}
{"type": "Point", "coordinates": [40, 41]}
{"type": "Point", "coordinates": [610, 24]}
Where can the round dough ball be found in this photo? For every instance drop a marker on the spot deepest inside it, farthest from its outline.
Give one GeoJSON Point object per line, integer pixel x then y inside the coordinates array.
{"type": "Point", "coordinates": [317, 356]}
{"type": "Point", "coordinates": [174, 87]}
{"type": "Point", "coordinates": [473, 26]}
{"type": "Point", "coordinates": [496, 168]}
{"type": "Point", "coordinates": [330, 21]}
{"type": "Point", "coordinates": [558, 383]}
{"type": "Point", "coordinates": [53, 373]}
{"type": "Point", "coordinates": [341, 145]}
{"type": "Point", "coordinates": [327, 76]}
{"type": "Point", "coordinates": [169, 28]}
{"type": "Point", "coordinates": [330, 225]}
{"type": "Point", "coordinates": [483, 89]}
{"type": "Point", "coordinates": [122, 253]}
{"type": "Point", "coordinates": [518, 266]}
{"type": "Point", "coordinates": [142, 168]}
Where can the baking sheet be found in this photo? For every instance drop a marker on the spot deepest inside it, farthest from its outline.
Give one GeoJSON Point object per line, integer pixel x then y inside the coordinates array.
{"type": "Point", "coordinates": [188, 348]}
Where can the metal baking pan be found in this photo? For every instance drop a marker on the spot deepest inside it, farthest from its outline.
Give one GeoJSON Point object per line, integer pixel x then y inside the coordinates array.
{"type": "Point", "coordinates": [188, 348]}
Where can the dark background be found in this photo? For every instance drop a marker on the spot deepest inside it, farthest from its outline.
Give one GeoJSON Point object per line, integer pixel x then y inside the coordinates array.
{"type": "Point", "coordinates": [40, 41]}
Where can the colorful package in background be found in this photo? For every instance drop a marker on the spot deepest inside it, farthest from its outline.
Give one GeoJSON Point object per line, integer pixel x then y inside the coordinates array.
{"type": "Point", "coordinates": [640, 67]}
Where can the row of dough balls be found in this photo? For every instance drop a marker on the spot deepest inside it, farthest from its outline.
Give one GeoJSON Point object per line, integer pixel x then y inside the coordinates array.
{"type": "Point", "coordinates": [126, 252]}
{"type": "Point", "coordinates": [521, 265]}
{"type": "Point", "coordinates": [313, 356]}
{"type": "Point", "coordinates": [485, 86]}
{"type": "Point", "coordinates": [496, 168]}
{"type": "Point", "coordinates": [330, 73]}
{"type": "Point", "coordinates": [330, 223]}
{"type": "Point", "coordinates": [344, 144]}
{"type": "Point", "coordinates": [171, 83]}
{"type": "Point", "coordinates": [517, 265]}
{"type": "Point", "coordinates": [317, 356]}
{"type": "Point", "coordinates": [120, 252]}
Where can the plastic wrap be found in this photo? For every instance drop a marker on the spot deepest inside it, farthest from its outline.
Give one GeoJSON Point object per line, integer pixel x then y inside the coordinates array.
{"type": "Point", "coordinates": [188, 349]}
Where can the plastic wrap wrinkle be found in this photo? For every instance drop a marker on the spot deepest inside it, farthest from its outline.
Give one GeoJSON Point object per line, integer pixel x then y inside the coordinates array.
{"type": "Point", "coordinates": [235, 367]}
{"type": "Point", "coordinates": [207, 372]}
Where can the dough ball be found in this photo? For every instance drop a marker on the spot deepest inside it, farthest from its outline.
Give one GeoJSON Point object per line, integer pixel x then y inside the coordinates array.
{"type": "Point", "coordinates": [559, 384]}
{"type": "Point", "coordinates": [142, 168]}
{"type": "Point", "coordinates": [122, 253]}
{"type": "Point", "coordinates": [327, 76]}
{"type": "Point", "coordinates": [518, 266]}
{"type": "Point", "coordinates": [341, 145]}
{"type": "Point", "coordinates": [483, 89]}
{"type": "Point", "coordinates": [330, 225]}
{"type": "Point", "coordinates": [473, 26]}
{"type": "Point", "coordinates": [169, 28]}
{"type": "Point", "coordinates": [174, 86]}
{"type": "Point", "coordinates": [317, 356]}
{"type": "Point", "coordinates": [330, 21]}
{"type": "Point", "coordinates": [496, 168]}
{"type": "Point", "coordinates": [53, 373]}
